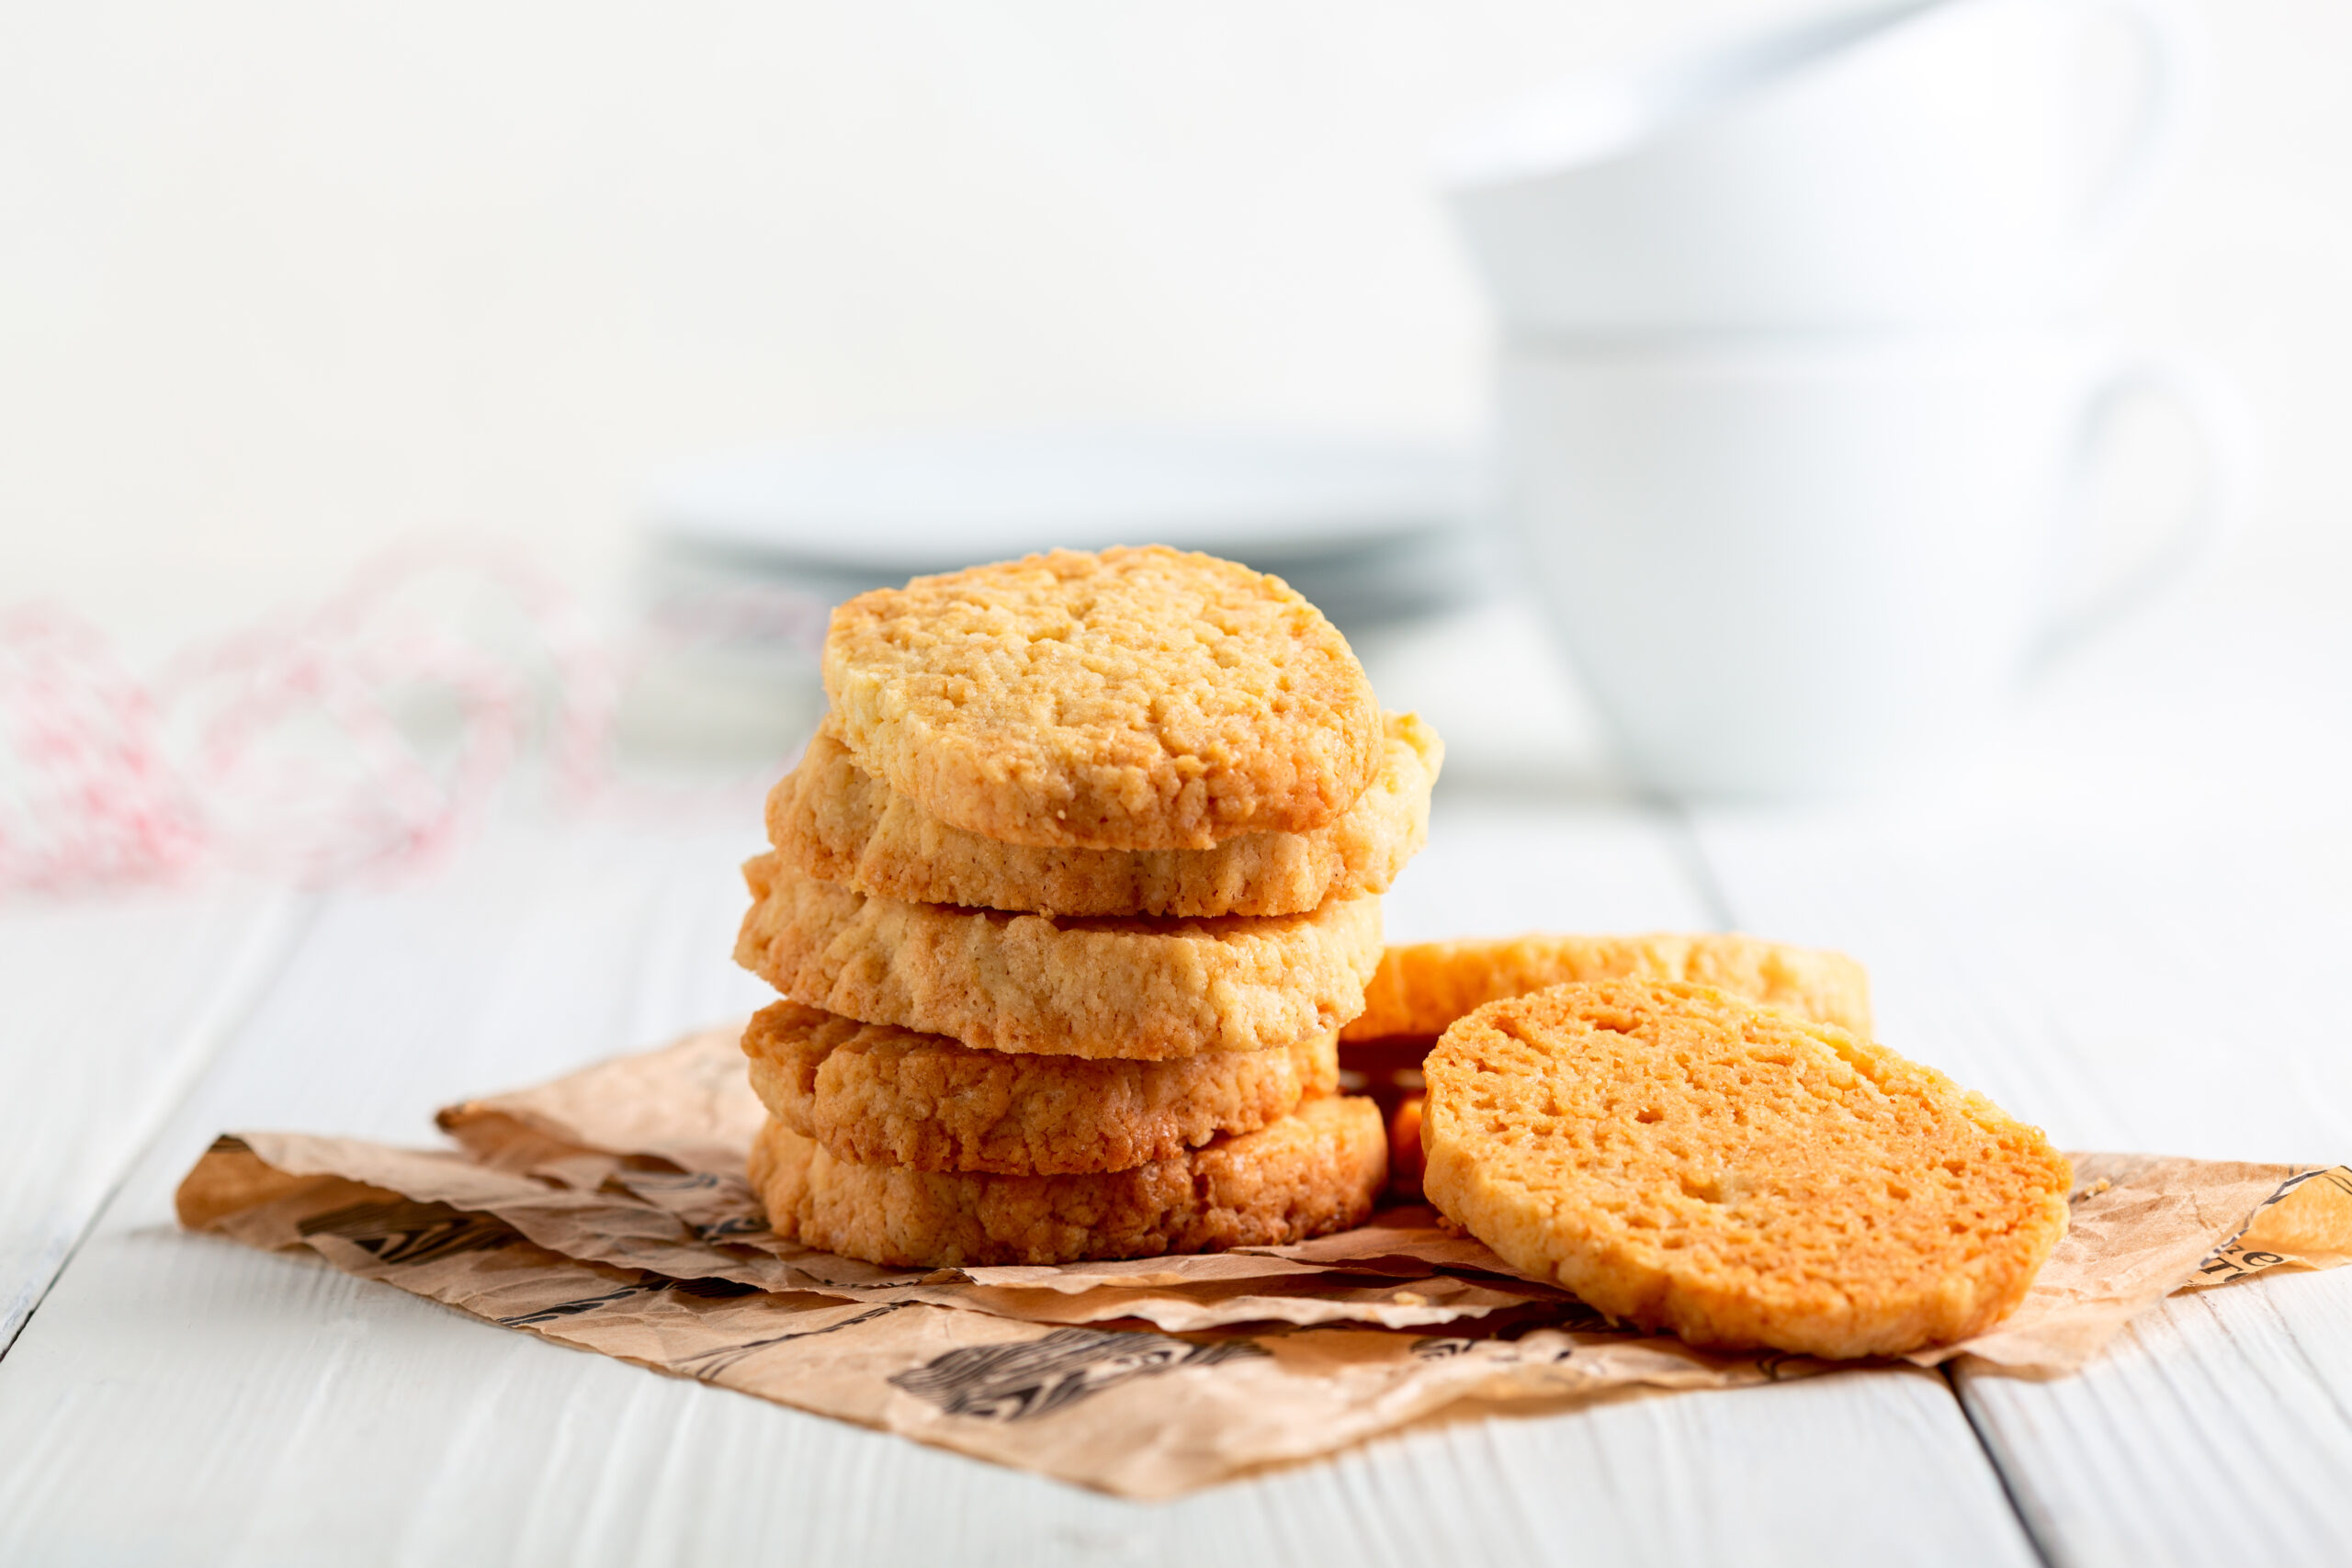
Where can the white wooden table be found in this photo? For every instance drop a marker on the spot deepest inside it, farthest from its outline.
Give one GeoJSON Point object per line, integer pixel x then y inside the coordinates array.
{"type": "Point", "coordinates": [2131, 924]}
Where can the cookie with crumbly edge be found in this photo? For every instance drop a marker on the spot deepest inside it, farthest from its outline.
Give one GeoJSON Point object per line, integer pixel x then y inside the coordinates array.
{"type": "Point", "coordinates": [1143, 989]}
{"type": "Point", "coordinates": [839, 823]}
{"type": "Point", "coordinates": [1129, 699]}
{"type": "Point", "coordinates": [1307, 1174]}
{"type": "Point", "coordinates": [1686, 1160]}
{"type": "Point", "coordinates": [874, 1094]}
{"type": "Point", "coordinates": [1421, 989]}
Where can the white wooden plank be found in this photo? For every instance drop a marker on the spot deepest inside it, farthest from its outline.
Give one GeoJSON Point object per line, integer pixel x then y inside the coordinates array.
{"type": "Point", "coordinates": [2191, 1006]}
{"type": "Point", "coordinates": [284, 1414]}
{"type": "Point", "coordinates": [109, 1008]}
{"type": "Point", "coordinates": [2184, 997]}
{"type": "Point", "coordinates": [181, 1397]}
{"type": "Point", "coordinates": [2128, 924]}
{"type": "Point", "coordinates": [1500, 862]}
{"type": "Point", "coordinates": [2233, 1396]}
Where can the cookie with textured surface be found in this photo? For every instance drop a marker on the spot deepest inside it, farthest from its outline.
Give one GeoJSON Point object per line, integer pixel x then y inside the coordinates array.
{"type": "Point", "coordinates": [1129, 699]}
{"type": "Point", "coordinates": [1686, 1160]}
{"type": "Point", "coordinates": [873, 1094]}
{"type": "Point", "coordinates": [1307, 1174]}
{"type": "Point", "coordinates": [839, 823]}
{"type": "Point", "coordinates": [1096, 987]}
{"type": "Point", "coordinates": [1421, 989]}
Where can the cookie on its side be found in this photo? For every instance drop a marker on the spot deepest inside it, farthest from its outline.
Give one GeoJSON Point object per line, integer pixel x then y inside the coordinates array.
{"type": "Point", "coordinates": [873, 1094]}
{"type": "Point", "coordinates": [1134, 699]}
{"type": "Point", "coordinates": [1146, 990]}
{"type": "Point", "coordinates": [1685, 1160]}
{"type": "Point", "coordinates": [1422, 988]}
{"type": "Point", "coordinates": [1306, 1175]}
{"type": "Point", "coordinates": [839, 823]}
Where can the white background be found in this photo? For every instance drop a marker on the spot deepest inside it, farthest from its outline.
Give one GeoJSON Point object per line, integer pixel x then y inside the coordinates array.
{"type": "Point", "coordinates": [280, 283]}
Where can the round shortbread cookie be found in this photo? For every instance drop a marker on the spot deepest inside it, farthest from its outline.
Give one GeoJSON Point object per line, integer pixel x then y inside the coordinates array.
{"type": "Point", "coordinates": [1686, 1160]}
{"type": "Point", "coordinates": [839, 823]}
{"type": "Point", "coordinates": [1135, 699]}
{"type": "Point", "coordinates": [1422, 989]}
{"type": "Point", "coordinates": [1308, 1174]}
{"type": "Point", "coordinates": [874, 1094]}
{"type": "Point", "coordinates": [1146, 990]}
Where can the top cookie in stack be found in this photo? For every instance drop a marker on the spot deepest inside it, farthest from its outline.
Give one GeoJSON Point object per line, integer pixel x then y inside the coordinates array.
{"type": "Point", "coordinates": [1070, 894]}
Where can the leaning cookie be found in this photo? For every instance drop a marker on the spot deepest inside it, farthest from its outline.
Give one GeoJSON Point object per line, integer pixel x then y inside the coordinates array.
{"type": "Point", "coordinates": [1147, 990]}
{"type": "Point", "coordinates": [1421, 989]}
{"type": "Point", "coordinates": [1306, 1175]}
{"type": "Point", "coordinates": [1687, 1161]}
{"type": "Point", "coordinates": [1133, 699]}
{"type": "Point", "coordinates": [839, 823]}
{"type": "Point", "coordinates": [873, 1094]}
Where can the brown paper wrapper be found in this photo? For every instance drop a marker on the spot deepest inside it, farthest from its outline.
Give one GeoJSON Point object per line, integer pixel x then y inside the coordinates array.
{"type": "Point", "coordinates": [607, 1211]}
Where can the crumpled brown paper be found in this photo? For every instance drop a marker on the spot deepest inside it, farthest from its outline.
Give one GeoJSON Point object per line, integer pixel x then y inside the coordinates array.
{"type": "Point", "coordinates": [607, 1211]}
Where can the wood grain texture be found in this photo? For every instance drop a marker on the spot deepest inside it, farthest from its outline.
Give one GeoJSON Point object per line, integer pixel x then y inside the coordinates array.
{"type": "Point", "coordinates": [2128, 923]}
{"type": "Point", "coordinates": [264, 1410]}
{"type": "Point", "coordinates": [2180, 1003]}
{"type": "Point", "coordinates": [109, 1008]}
{"type": "Point", "coordinates": [179, 1398]}
{"type": "Point", "coordinates": [2234, 1397]}
{"type": "Point", "coordinates": [1498, 865]}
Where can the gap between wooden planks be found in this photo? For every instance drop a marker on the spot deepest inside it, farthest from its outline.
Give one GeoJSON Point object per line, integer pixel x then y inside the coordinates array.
{"type": "Point", "coordinates": [2127, 922]}
{"type": "Point", "coordinates": [115, 1006]}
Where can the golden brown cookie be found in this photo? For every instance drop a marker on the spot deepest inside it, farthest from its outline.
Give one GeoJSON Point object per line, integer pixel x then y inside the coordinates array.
{"type": "Point", "coordinates": [1306, 1175]}
{"type": "Point", "coordinates": [1134, 699]}
{"type": "Point", "coordinates": [839, 823]}
{"type": "Point", "coordinates": [874, 1094]}
{"type": "Point", "coordinates": [1686, 1160]}
{"type": "Point", "coordinates": [1143, 989]}
{"type": "Point", "coordinates": [1422, 989]}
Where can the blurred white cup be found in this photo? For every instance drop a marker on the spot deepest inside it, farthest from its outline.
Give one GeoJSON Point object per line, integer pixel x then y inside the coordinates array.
{"type": "Point", "coordinates": [1804, 569]}
{"type": "Point", "coordinates": [1911, 165]}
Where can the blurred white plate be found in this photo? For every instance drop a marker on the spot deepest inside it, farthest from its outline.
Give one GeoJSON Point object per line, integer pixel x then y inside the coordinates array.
{"type": "Point", "coordinates": [1370, 529]}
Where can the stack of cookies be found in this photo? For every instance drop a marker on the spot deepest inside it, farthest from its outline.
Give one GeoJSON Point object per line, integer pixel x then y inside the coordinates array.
{"type": "Point", "coordinates": [1070, 896]}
